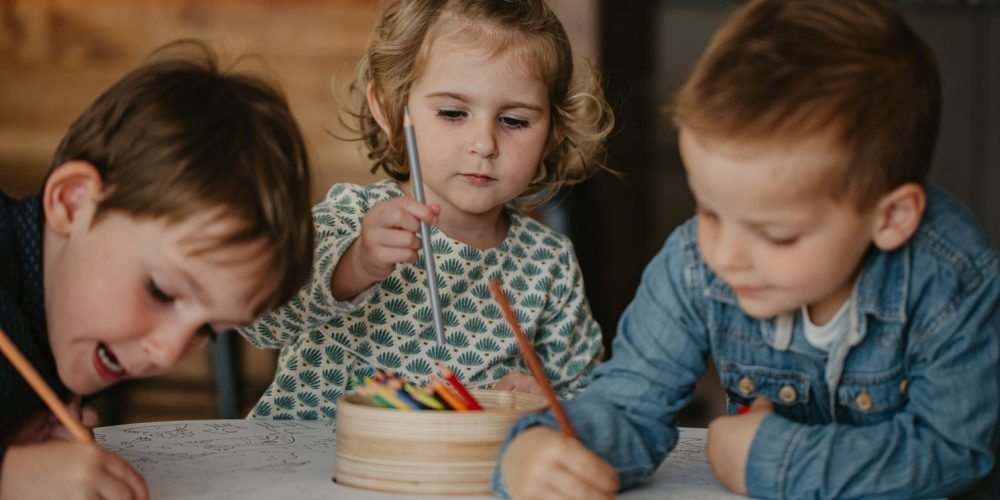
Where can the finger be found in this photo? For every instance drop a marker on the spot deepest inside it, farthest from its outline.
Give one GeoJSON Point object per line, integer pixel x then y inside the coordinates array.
{"type": "Point", "coordinates": [505, 384]}
{"type": "Point", "coordinates": [386, 258]}
{"type": "Point", "coordinates": [393, 237]}
{"type": "Point", "coordinates": [420, 211]}
{"type": "Point", "coordinates": [73, 406]}
{"type": "Point", "coordinates": [762, 403]}
{"type": "Point", "coordinates": [89, 417]}
{"type": "Point", "coordinates": [128, 483]}
{"type": "Point", "coordinates": [574, 484]}
{"type": "Point", "coordinates": [595, 473]}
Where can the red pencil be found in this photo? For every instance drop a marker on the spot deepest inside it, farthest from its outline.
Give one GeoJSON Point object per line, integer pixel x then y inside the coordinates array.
{"type": "Point", "coordinates": [459, 388]}
{"type": "Point", "coordinates": [533, 362]}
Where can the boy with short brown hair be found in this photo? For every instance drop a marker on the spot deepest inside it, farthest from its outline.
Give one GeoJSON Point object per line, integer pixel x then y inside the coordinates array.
{"type": "Point", "coordinates": [177, 206]}
{"type": "Point", "coordinates": [851, 309]}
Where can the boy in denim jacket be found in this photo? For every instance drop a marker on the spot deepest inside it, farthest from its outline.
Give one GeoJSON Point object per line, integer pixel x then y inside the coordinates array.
{"type": "Point", "coordinates": [848, 305]}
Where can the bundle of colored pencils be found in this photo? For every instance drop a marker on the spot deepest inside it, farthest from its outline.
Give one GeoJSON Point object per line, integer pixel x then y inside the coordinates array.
{"type": "Point", "coordinates": [391, 390]}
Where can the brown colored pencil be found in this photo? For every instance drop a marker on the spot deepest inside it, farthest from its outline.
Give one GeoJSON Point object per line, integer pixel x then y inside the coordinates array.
{"type": "Point", "coordinates": [533, 362]}
{"type": "Point", "coordinates": [44, 391]}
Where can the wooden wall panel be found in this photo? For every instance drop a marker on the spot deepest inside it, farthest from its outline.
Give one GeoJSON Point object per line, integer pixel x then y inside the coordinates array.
{"type": "Point", "coordinates": [56, 56]}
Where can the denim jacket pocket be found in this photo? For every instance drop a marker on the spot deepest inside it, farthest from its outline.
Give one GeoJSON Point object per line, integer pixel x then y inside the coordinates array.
{"type": "Point", "coordinates": [788, 390]}
{"type": "Point", "coordinates": [869, 399]}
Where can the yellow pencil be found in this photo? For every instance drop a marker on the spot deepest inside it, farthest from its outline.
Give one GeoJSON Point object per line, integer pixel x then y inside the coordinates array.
{"type": "Point", "coordinates": [44, 391]}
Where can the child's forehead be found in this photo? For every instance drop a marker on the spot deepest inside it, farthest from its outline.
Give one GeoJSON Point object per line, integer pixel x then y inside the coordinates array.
{"type": "Point", "coordinates": [794, 168]}
{"type": "Point", "coordinates": [810, 154]}
{"type": "Point", "coordinates": [215, 232]}
{"type": "Point", "coordinates": [485, 41]}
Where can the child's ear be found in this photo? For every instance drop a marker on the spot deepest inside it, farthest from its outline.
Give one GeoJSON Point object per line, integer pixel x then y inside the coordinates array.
{"type": "Point", "coordinates": [376, 108]}
{"type": "Point", "coordinates": [898, 215]}
{"type": "Point", "coordinates": [70, 189]}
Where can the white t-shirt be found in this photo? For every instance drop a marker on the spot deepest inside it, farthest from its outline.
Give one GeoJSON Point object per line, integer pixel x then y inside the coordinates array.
{"type": "Point", "coordinates": [824, 336]}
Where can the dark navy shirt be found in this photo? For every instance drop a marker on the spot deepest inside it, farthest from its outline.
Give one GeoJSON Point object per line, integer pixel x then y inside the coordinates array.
{"type": "Point", "coordinates": [22, 310]}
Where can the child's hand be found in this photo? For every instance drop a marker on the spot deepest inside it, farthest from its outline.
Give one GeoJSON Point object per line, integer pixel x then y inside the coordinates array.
{"type": "Point", "coordinates": [43, 425]}
{"type": "Point", "coordinates": [388, 237]}
{"type": "Point", "coordinates": [515, 381]}
{"type": "Point", "coordinates": [729, 440]}
{"type": "Point", "coordinates": [63, 470]}
{"type": "Point", "coordinates": [544, 464]}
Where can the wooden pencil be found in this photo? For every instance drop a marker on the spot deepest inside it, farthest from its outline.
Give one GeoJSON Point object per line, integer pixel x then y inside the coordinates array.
{"type": "Point", "coordinates": [42, 389]}
{"type": "Point", "coordinates": [463, 393]}
{"type": "Point", "coordinates": [532, 359]}
{"type": "Point", "coordinates": [450, 398]}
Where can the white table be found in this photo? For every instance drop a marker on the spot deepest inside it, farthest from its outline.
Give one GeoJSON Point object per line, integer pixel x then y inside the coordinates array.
{"type": "Point", "coordinates": [265, 459]}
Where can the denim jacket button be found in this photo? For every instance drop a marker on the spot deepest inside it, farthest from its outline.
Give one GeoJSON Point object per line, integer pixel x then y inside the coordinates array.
{"type": "Point", "coordinates": [904, 386]}
{"type": "Point", "coordinates": [863, 401]}
{"type": "Point", "coordinates": [745, 386]}
{"type": "Point", "coordinates": [787, 394]}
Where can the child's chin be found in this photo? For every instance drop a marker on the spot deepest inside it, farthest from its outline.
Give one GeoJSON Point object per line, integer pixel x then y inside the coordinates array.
{"type": "Point", "coordinates": [760, 311]}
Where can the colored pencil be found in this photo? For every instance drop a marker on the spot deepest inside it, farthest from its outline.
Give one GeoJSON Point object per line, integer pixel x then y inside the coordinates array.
{"type": "Point", "coordinates": [532, 359]}
{"type": "Point", "coordinates": [369, 393]}
{"type": "Point", "coordinates": [425, 232]}
{"type": "Point", "coordinates": [43, 390]}
{"type": "Point", "coordinates": [459, 388]}
{"type": "Point", "coordinates": [423, 397]}
{"type": "Point", "coordinates": [450, 398]}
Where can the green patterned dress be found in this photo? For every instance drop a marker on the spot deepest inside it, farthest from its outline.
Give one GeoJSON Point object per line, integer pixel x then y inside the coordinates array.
{"type": "Point", "coordinates": [326, 343]}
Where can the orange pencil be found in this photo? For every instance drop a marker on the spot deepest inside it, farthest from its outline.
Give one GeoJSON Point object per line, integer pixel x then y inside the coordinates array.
{"type": "Point", "coordinates": [459, 388]}
{"type": "Point", "coordinates": [450, 398]}
{"type": "Point", "coordinates": [533, 362]}
{"type": "Point", "coordinates": [44, 391]}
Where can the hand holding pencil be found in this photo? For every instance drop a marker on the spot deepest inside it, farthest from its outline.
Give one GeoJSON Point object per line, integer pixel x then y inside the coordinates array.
{"type": "Point", "coordinates": [532, 359]}
{"type": "Point", "coordinates": [57, 468]}
{"type": "Point", "coordinates": [541, 463]}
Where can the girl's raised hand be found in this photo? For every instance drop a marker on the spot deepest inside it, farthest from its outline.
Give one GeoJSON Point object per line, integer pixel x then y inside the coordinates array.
{"type": "Point", "coordinates": [389, 235]}
{"type": "Point", "coordinates": [68, 470]}
{"type": "Point", "coordinates": [542, 463]}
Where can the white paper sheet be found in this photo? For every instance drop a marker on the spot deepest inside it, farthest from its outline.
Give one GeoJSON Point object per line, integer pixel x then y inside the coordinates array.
{"type": "Point", "coordinates": [266, 459]}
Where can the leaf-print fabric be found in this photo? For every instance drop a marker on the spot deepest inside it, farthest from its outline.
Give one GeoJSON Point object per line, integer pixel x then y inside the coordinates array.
{"type": "Point", "coordinates": [326, 343]}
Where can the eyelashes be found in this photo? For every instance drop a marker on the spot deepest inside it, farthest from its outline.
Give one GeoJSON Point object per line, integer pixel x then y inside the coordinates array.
{"type": "Point", "coordinates": [157, 294]}
{"type": "Point", "coordinates": [162, 297]}
{"type": "Point", "coordinates": [508, 122]}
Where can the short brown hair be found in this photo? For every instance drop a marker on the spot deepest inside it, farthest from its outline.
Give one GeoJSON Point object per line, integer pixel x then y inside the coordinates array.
{"type": "Point", "coordinates": [179, 136]}
{"type": "Point", "coordinates": [793, 68]}
{"type": "Point", "coordinates": [398, 48]}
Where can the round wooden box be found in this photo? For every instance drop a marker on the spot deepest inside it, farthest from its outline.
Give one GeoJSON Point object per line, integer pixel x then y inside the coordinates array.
{"type": "Point", "coordinates": [426, 452]}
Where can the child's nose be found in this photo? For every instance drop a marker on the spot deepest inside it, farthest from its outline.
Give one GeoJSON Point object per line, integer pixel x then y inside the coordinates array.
{"type": "Point", "coordinates": [730, 250]}
{"type": "Point", "coordinates": [484, 142]}
{"type": "Point", "coordinates": [166, 346]}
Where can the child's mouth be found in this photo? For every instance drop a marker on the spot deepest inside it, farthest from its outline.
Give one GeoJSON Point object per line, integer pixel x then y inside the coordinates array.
{"type": "Point", "coordinates": [478, 180]}
{"type": "Point", "coordinates": [107, 364]}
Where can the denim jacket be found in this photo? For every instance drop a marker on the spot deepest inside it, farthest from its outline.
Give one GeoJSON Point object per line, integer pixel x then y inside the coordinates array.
{"type": "Point", "coordinates": [909, 411]}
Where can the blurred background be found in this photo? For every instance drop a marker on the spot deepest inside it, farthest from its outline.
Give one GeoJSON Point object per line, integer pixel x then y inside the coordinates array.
{"type": "Point", "coordinates": [57, 55]}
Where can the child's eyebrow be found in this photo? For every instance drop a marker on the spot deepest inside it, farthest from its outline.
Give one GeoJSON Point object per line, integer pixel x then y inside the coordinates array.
{"type": "Point", "coordinates": [194, 285]}
{"type": "Point", "coordinates": [202, 295]}
{"type": "Point", "coordinates": [465, 99]}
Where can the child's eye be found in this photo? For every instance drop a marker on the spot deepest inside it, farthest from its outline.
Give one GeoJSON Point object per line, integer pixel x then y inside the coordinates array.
{"type": "Point", "coordinates": [782, 242]}
{"type": "Point", "coordinates": [158, 294]}
{"type": "Point", "coordinates": [451, 114]}
{"type": "Point", "coordinates": [513, 122]}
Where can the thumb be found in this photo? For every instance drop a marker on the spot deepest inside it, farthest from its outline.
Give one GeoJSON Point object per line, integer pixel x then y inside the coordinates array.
{"type": "Point", "coordinates": [73, 405]}
{"type": "Point", "coordinates": [762, 403]}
